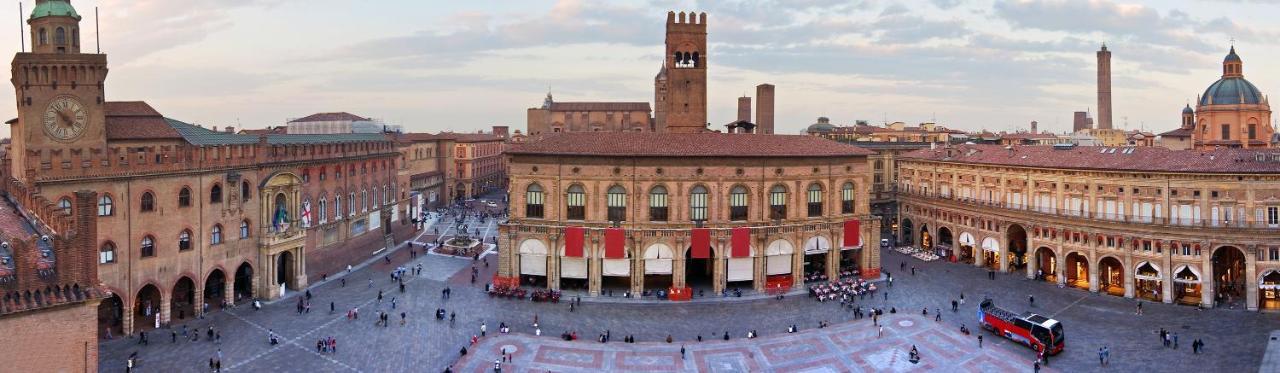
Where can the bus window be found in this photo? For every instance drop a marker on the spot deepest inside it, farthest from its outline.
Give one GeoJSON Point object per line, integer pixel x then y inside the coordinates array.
{"type": "Point", "coordinates": [1058, 337]}
{"type": "Point", "coordinates": [1041, 334]}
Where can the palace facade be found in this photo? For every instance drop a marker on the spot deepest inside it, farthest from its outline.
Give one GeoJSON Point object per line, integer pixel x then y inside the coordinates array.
{"type": "Point", "coordinates": [632, 211]}
{"type": "Point", "coordinates": [1185, 226]}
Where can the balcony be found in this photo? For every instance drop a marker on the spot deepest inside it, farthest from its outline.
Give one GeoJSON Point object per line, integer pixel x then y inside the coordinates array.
{"type": "Point", "coordinates": [1093, 216]}
{"type": "Point", "coordinates": [268, 237]}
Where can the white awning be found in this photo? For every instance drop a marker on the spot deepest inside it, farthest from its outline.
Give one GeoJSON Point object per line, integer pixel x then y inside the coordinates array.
{"type": "Point", "coordinates": [573, 267]}
{"type": "Point", "coordinates": [616, 267]}
{"type": "Point", "coordinates": [741, 269]}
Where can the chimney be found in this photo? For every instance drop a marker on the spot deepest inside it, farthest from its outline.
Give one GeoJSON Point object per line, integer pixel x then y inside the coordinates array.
{"type": "Point", "coordinates": [764, 109]}
{"type": "Point", "coordinates": [744, 109]}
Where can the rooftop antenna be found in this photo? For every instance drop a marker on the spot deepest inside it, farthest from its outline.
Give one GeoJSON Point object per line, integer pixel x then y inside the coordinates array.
{"type": "Point", "coordinates": [22, 34]}
{"type": "Point", "coordinates": [97, 31]}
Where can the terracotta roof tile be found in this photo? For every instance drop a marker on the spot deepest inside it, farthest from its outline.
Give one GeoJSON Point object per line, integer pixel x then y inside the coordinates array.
{"type": "Point", "coordinates": [136, 120]}
{"type": "Point", "coordinates": [327, 117]}
{"type": "Point", "coordinates": [1180, 132]}
{"type": "Point", "coordinates": [599, 106]}
{"type": "Point", "coordinates": [277, 130]}
{"type": "Point", "coordinates": [1142, 158]}
{"type": "Point", "coordinates": [651, 144]}
{"type": "Point", "coordinates": [472, 137]}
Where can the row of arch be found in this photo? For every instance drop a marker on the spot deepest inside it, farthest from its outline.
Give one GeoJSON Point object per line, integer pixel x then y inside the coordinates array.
{"type": "Point", "coordinates": [59, 36]}
{"type": "Point", "coordinates": [122, 313]}
{"type": "Point", "coordinates": [738, 200]}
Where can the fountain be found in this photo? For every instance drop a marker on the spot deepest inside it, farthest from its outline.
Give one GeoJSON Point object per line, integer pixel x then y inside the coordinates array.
{"type": "Point", "coordinates": [460, 245]}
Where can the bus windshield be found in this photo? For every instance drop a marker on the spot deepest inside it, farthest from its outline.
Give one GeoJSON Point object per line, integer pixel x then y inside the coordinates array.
{"type": "Point", "coordinates": [1041, 334]}
{"type": "Point", "coordinates": [1058, 337]}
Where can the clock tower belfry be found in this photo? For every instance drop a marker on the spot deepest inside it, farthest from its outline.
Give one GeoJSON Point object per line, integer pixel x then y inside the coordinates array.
{"type": "Point", "coordinates": [59, 91]}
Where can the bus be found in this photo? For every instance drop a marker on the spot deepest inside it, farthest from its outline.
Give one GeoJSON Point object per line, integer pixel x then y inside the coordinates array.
{"type": "Point", "coordinates": [1038, 332]}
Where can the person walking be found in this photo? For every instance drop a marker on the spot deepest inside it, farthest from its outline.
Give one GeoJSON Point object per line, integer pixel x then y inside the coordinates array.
{"type": "Point", "coordinates": [1032, 300]}
{"type": "Point", "coordinates": [483, 328]}
{"type": "Point", "coordinates": [979, 341]}
{"type": "Point", "coordinates": [1036, 366]}
{"type": "Point", "coordinates": [1101, 358]}
{"type": "Point", "coordinates": [879, 331]}
{"type": "Point", "coordinates": [681, 352]}
{"type": "Point", "coordinates": [955, 306]}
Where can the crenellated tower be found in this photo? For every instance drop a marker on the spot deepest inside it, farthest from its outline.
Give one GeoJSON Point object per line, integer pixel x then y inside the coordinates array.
{"type": "Point", "coordinates": [59, 91]}
{"type": "Point", "coordinates": [680, 89]}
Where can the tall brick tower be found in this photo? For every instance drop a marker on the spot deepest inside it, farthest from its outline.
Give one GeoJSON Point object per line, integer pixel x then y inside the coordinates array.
{"type": "Point", "coordinates": [764, 109]}
{"type": "Point", "coordinates": [684, 107]}
{"type": "Point", "coordinates": [744, 109]}
{"type": "Point", "coordinates": [1104, 88]}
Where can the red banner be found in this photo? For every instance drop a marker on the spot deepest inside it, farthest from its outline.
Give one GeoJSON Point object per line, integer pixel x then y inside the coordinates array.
{"type": "Point", "coordinates": [701, 243]}
{"type": "Point", "coordinates": [573, 237]}
{"type": "Point", "coordinates": [614, 243]}
{"type": "Point", "coordinates": [852, 233]}
{"type": "Point", "coordinates": [741, 242]}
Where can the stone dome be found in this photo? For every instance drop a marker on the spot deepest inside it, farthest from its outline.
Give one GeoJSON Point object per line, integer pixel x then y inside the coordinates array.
{"type": "Point", "coordinates": [1188, 110]}
{"type": "Point", "coordinates": [1231, 91]}
{"type": "Point", "coordinates": [823, 126]}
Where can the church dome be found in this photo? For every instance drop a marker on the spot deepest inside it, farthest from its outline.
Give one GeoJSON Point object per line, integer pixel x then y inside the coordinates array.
{"type": "Point", "coordinates": [1231, 91]}
{"type": "Point", "coordinates": [1232, 56]}
{"type": "Point", "coordinates": [823, 126]}
{"type": "Point", "coordinates": [54, 8]}
{"type": "Point", "coordinates": [1188, 110]}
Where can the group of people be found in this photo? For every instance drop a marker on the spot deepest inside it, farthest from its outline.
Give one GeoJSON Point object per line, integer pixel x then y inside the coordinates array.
{"type": "Point", "coordinates": [845, 290]}
{"type": "Point", "coordinates": [327, 345]}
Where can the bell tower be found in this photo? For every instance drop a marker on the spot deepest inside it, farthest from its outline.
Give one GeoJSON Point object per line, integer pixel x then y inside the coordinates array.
{"type": "Point", "coordinates": [684, 107]}
{"type": "Point", "coordinates": [59, 91]}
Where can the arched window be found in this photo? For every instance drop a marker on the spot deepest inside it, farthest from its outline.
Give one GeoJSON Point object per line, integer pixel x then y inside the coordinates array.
{"type": "Point", "coordinates": [533, 201]}
{"type": "Point", "coordinates": [778, 202]}
{"type": "Point", "coordinates": [148, 202]}
{"type": "Point", "coordinates": [322, 209]}
{"type": "Point", "coordinates": [75, 37]}
{"type": "Point", "coordinates": [148, 247]}
{"type": "Point", "coordinates": [698, 203]}
{"type": "Point", "coordinates": [215, 234]}
{"type": "Point", "coordinates": [387, 197]}
{"type": "Point", "coordinates": [351, 204]}
{"type": "Point", "coordinates": [617, 203]}
{"type": "Point", "coordinates": [738, 203]}
{"type": "Point", "coordinates": [846, 198]}
{"type": "Point", "coordinates": [104, 205]}
{"type": "Point", "coordinates": [184, 197]}
{"type": "Point", "coordinates": [244, 191]}
{"type": "Point", "coordinates": [43, 36]}
{"type": "Point", "coordinates": [364, 200]}
{"type": "Point", "coordinates": [215, 194]}
{"type": "Point", "coordinates": [64, 205]}
{"type": "Point", "coordinates": [244, 229]}
{"type": "Point", "coordinates": [337, 207]}
{"type": "Point", "coordinates": [107, 253]}
{"type": "Point", "coordinates": [576, 203]}
{"type": "Point", "coordinates": [60, 36]}
{"type": "Point", "coordinates": [658, 203]}
{"type": "Point", "coordinates": [184, 240]}
{"type": "Point", "coordinates": [815, 200]}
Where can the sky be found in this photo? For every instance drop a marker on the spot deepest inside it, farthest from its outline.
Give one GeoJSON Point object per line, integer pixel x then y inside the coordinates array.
{"type": "Point", "coordinates": [433, 65]}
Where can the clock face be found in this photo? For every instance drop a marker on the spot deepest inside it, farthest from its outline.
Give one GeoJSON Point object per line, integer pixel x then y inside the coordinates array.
{"type": "Point", "coordinates": [65, 118]}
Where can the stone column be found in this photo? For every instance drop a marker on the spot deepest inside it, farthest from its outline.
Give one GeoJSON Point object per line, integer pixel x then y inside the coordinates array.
{"type": "Point", "coordinates": [553, 264]}
{"type": "Point", "coordinates": [300, 269]}
{"type": "Point", "coordinates": [1093, 275]}
{"type": "Point", "coordinates": [126, 319]}
{"type": "Point", "coordinates": [678, 264]}
{"type": "Point", "coordinates": [1166, 276]}
{"type": "Point", "coordinates": [797, 263]}
{"type": "Point", "coordinates": [166, 303]}
{"type": "Point", "coordinates": [1034, 263]}
{"type": "Point", "coordinates": [1004, 257]}
{"type": "Point", "coordinates": [757, 263]}
{"type": "Point", "coordinates": [1128, 273]}
{"type": "Point", "coordinates": [198, 294]}
{"type": "Point", "coordinates": [229, 288]}
{"type": "Point", "coordinates": [1060, 257]}
{"type": "Point", "coordinates": [1251, 278]}
{"type": "Point", "coordinates": [718, 266]}
{"type": "Point", "coordinates": [637, 274]}
{"type": "Point", "coordinates": [1206, 278]}
{"type": "Point", "coordinates": [595, 273]}
{"type": "Point", "coordinates": [272, 288]}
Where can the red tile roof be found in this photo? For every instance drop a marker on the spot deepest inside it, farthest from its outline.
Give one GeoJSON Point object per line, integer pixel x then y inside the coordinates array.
{"type": "Point", "coordinates": [136, 120]}
{"type": "Point", "coordinates": [599, 106]}
{"type": "Point", "coordinates": [1141, 158]}
{"type": "Point", "coordinates": [414, 137]}
{"type": "Point", "coordinates": [472, 137]}
{"type": "Point", "coordinates": [1180, 132]}
{"type": "Point", "coordinates": [651, 144]}
{"type": "Point", "coordinates": [277, 130]}
{"type": "Point", "coordinates": [328, 117]}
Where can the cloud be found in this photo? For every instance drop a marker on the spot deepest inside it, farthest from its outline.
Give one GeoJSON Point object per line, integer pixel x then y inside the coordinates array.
{"type": "Point", "coordinates": [136, 28]}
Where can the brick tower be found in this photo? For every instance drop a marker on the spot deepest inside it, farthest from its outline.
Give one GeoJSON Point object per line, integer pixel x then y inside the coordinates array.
{"type": "Point", "coordinates": [683, 105]}
{"type": "Point", "coordinates": [1104, 88]}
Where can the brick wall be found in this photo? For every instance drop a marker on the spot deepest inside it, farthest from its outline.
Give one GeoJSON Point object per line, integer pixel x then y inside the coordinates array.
{"type": "Point", "coordinates": [60, 339]}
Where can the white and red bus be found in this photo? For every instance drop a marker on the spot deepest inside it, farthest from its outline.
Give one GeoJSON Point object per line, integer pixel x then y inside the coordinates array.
{"type": "Point", "coordinates": [1036, 331]}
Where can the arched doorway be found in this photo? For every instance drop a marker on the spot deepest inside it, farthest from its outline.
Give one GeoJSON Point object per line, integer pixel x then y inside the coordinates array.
{"type": "Point", "coordinates": [657, 267]}
{"type": "Point", "coordinates": [182, 303]}
{"type": "Point", "coordinates": [616, 274]}
{"type": "Point", "coordinates": [284, 269]}
{"type": "Point", "coordinates": [1269, 291]}
{"type": "Point", "coordinates": [1228, 276]}
{"type": "Point", "coordinates": [573, 271]}
{"type": "Point", "coordinates": [991, 253]}
{"type": "Point", "coordinates": [215, 287]}
{"type": "Point", "coordinates": [926, 241]}
{"type": "Point", "coordinates": [111, 316]}
{"type": "Point", "coordinates": [815, 258]}
{"type": "Point", "coordinates": [243, 287]}
{"type": "Point", "coordinates": [908, 233]}
{"type": "Point", "coordinates": [533, 263]}
{"type": "Point", "coordinates": [1111, 276]}
{"type": "Point", "coordinates": [699, 273]}
{"type": "Point", "coordinates": [945, 244]}
{"type": "Point", "coordinates": [967, 244]}
{"type": "Point", "coordinates": [146, 308]}
{"type": "Point", "coordinates": [1186, 285]}
{"type": "Point", "coordinates": [1017, 243]}
{"type": "Point", "coordinates": [740, 271]}
{"type": "Point", "coordinates": [1077, 271]}
{"type": "Point", "coordinates": [1148, 283]}
{"type": "Point", "coordinates": [1047, 264]}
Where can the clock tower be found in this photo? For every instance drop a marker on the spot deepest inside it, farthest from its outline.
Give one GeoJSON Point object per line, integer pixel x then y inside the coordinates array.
{"type": "Point", "coordinates": [59, 91]}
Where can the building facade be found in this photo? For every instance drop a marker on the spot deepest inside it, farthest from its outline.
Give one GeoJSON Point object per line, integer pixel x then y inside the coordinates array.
{"type": "Point", "coordinates": [188, 216]}
{"type": "Point", "coordinates": [1191, 227]}
{"type": "Point", "coordinates": [478, 164]}
{"type": "Point", "coordinates": [425, 164]}
{"type": "Point", "coordinates": [1232, 112]}
{"type": "Point", "coordinates": [555, 117]}
{"type": "Point", "coordinates": [633, 212]}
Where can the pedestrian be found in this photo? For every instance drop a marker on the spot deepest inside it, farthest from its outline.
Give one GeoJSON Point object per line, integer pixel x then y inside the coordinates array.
{"type": "Point", "coordinates": [1031, 299]}
{"type": "Point", "coordinates": [913, 270]}
{"type": "Point", "coordinates": [173, 336]}
{"type": "Point", "coordinates": [1036, 366]}
{"type": "Point", "coordinates": [886, 295]}
{"type": "Point", "coordinates": [1106, 355]}
{"type": "Point", "coordinates": [331, 308]}
{"type": "Point", "coordinates": [979, 341]}
{"type": "Point", "coordinates": [681, 352]}
{"type": "Point", "coordinates": [483, 328]}
{"type": "Point", "coordinates": [879, 331]}
{"type": "Point", "coordinates": [1101, 358]}
{"type": "Point", "coordinates": [344, 282]}
{"type": "Point", "coordinates": [1139, 311]}
{"type": "Point", "coordinates": [954, 306]}
{"type": "Point", "coordinates": [1175, 341]}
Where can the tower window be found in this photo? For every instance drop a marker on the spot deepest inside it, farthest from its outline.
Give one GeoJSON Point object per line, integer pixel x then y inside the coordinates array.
{"type": "Point", "coordinates": [1226, 132]}
{"type": "Point", "coordinates": [60, 36]}
{"type": "Point", "coordinates": [43, 36]}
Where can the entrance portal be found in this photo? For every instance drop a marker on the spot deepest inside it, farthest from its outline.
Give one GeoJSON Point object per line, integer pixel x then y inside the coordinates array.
{"type": "Point", "coordinates": [698, 272]}
{"type": "Point", "coordinates": [1047, 264]}
{"type": "Point", "coordinates": [111, 316]}
{"type": "Point", "coordinates": [1017, 243]}
{"type": "Point", "coordinates": [243, 288]}
{"type": "Point", "coordinates": [284, 269]}
{"type": "Point", "coordinates": [215, 287]}
{"type": "Point", "coordinates": [1078, 271]}
{"type": "Point", "coordinates": [1111, 276]}
{"type": "Point", "coordinates": [182, 304]}
{"type": "Point", "coordinates": [657, 268]}
{"type": "Point", "coordinates": [146, 308]}
{"type": "Point", "coordinates": [1269, 291]}
{"type": "Point", "coordinates": [1228, 276]}
{"type": "Point", "coordinates": [1186, 285]}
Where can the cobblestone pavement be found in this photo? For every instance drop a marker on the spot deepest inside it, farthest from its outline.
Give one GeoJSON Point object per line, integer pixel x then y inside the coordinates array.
{"type": "Point", "coordinates": [846, 347]}
{"type": "Point", "coordinates": [1235, 340]}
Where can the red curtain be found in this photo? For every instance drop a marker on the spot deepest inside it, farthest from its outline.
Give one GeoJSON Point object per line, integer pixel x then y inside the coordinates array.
{"type": "Point", "coordinates": [741, 242]}
{"type": "Point", "coordinates": [701, 242]}
{"type": "Point", "coordinates": [851, 233]}
{"type": "Point", "coordinates": [614, 241]}
{"type": "Point", "coordinates": [573, 237]}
